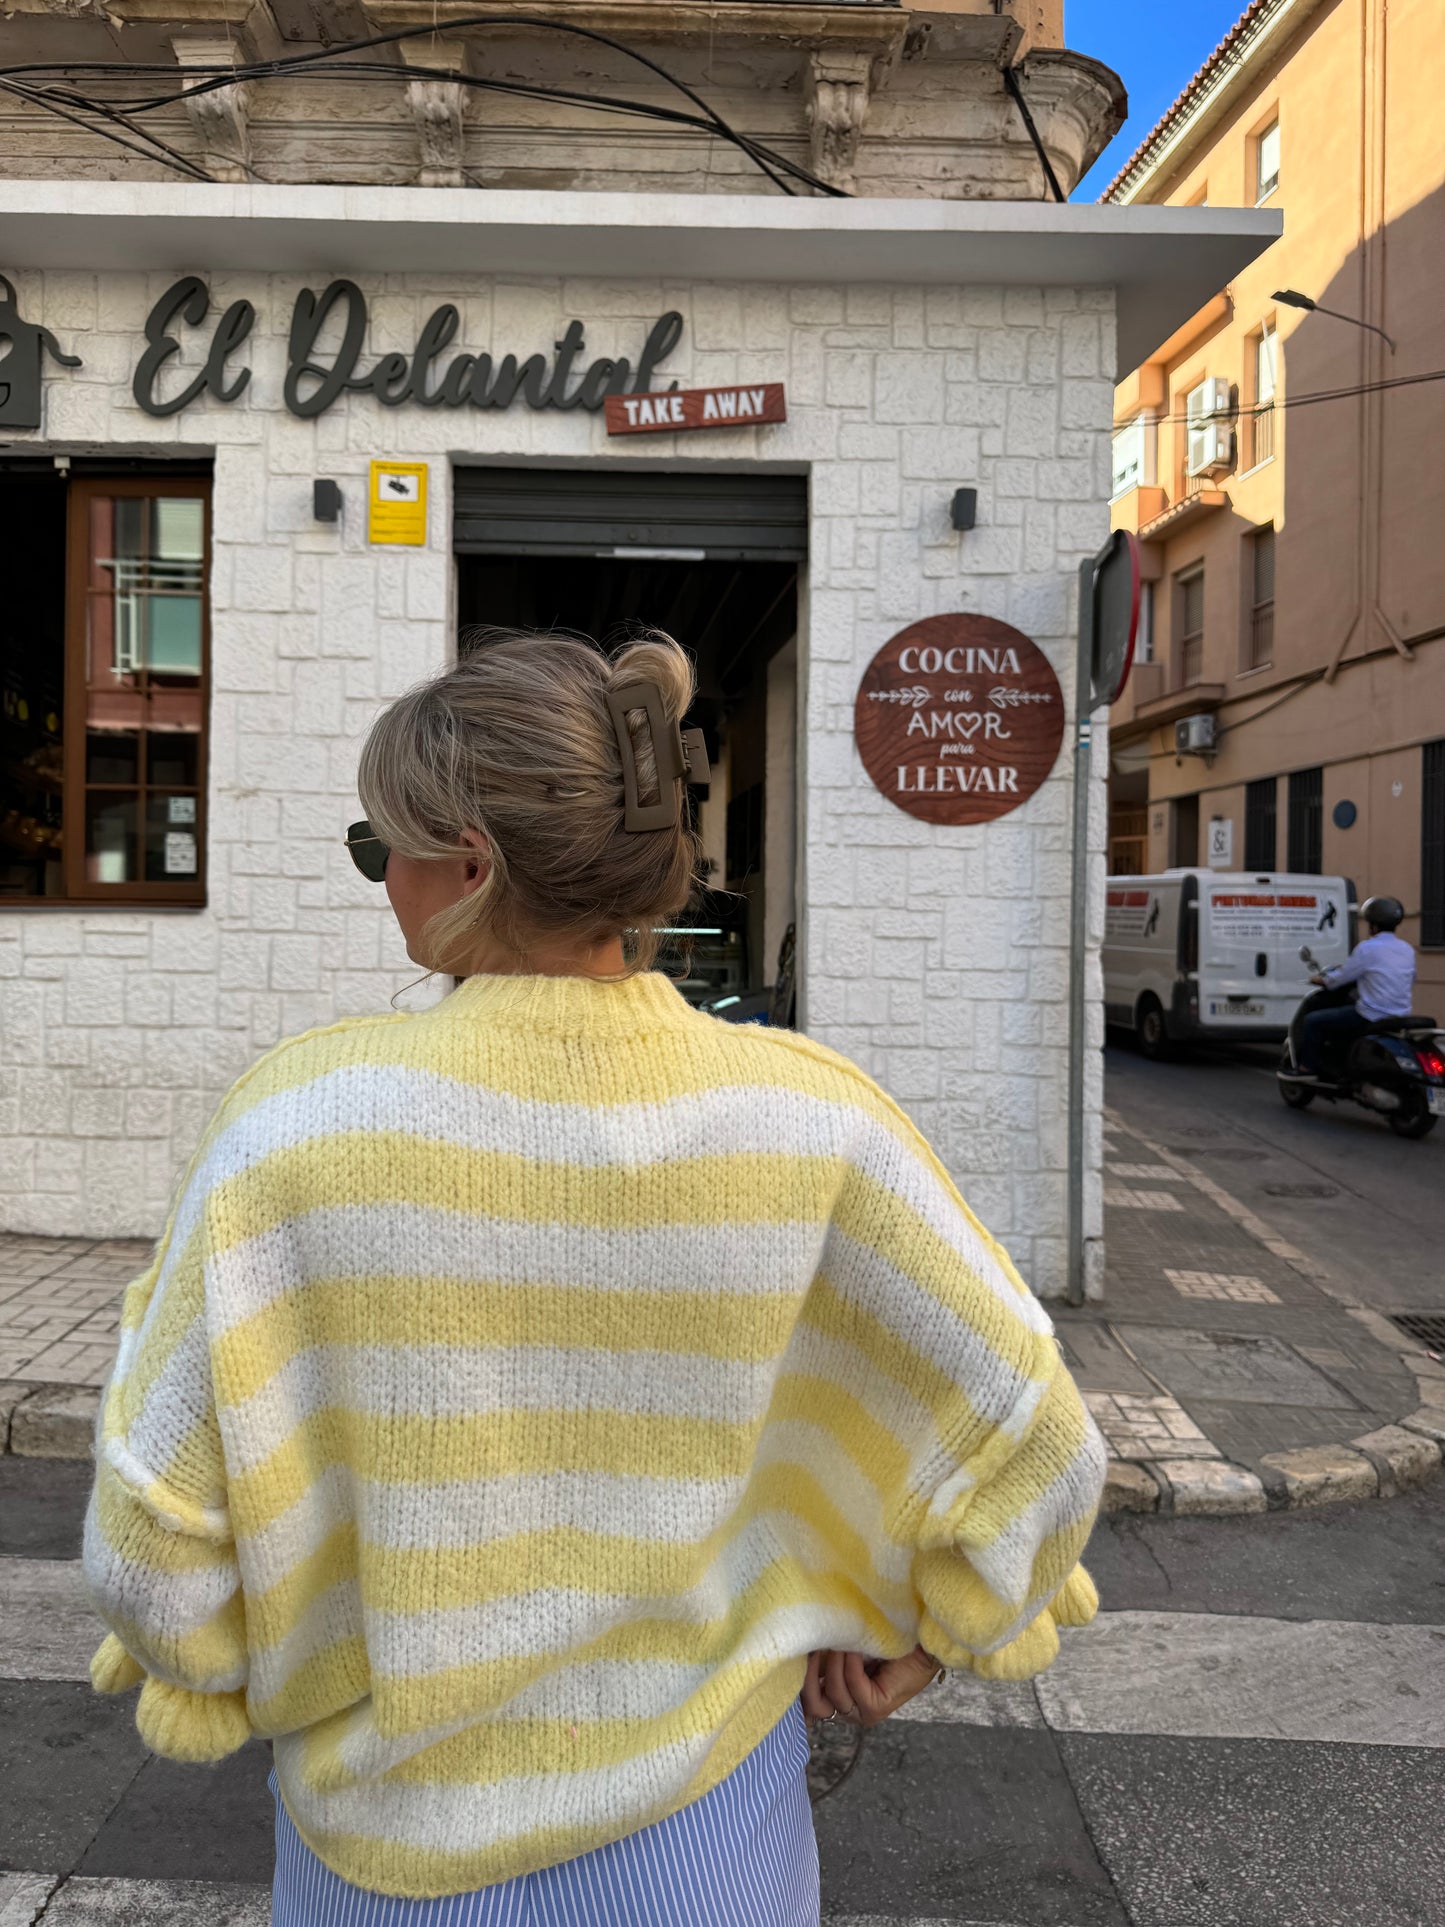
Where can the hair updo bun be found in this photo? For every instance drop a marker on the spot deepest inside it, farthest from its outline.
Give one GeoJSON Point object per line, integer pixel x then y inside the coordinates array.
{"type": "Point", "coordinates": [515, 741]}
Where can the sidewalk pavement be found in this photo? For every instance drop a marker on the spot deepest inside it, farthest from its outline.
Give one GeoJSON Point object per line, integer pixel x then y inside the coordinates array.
{"type": "Point", "coordinates": [1227, 1371]}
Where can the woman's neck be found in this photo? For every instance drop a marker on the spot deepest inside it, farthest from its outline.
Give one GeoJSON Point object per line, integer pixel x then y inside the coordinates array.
{"type": "Point", "coordinates": [558, 958]}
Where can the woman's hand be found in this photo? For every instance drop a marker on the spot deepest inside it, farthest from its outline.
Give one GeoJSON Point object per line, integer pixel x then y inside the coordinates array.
{"type": "Point", "coordinates": [863, 1690]}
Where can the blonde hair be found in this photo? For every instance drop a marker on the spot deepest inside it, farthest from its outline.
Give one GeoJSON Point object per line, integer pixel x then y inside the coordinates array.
{"type": "Point", "coordinates": [515, 741]}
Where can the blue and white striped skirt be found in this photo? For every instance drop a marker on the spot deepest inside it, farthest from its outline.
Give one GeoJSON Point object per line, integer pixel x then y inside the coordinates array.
{"type": "Point", "coordinates": [744, 1855]}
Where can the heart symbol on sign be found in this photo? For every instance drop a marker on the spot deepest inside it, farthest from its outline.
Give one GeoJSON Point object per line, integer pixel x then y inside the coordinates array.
{"type": "Point", "coordinates": [961, 722]}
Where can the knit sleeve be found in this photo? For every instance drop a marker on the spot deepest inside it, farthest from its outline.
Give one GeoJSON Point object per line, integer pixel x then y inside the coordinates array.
{"type": "Point", "coordinates": [1005, 1467]}
{"type": "Point", "coordinates": [159, 1557]}
{"type": "Point", "coordinates": [997, 1570]}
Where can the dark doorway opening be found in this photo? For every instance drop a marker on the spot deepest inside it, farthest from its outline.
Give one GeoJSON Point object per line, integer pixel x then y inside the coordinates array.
{"type": "Point", "coordinates": [32, 685]}
{"type": "Point", "coordinates": [738, 617]}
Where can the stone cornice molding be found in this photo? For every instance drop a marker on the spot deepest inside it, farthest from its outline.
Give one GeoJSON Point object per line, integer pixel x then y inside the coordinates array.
{"type": "Point", "coordinates": [221, 118]}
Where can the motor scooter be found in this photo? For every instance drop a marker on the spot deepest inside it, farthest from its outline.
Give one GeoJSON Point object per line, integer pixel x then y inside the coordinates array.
{"type": "Point", "coordinates": [1396, 1069]}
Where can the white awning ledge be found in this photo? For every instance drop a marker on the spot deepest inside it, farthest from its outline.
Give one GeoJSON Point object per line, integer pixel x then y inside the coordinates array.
{"type": "Point", "coordinates": [1164, 262]}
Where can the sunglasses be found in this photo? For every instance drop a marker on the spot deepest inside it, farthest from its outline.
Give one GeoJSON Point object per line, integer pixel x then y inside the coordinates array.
{"type": "Point", "coordinates": [368, 852]}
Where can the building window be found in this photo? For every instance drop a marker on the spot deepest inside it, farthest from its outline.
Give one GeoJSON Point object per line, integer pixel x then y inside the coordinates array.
{"type": "Point", "coordinates": [1144, 634]}
{"type": "Point", "coordinates": [103, 693]}
{"type": "Point", "coordinates": [1306, 821]}
{"type": "Point", "coordinates": [1432, 846]}
{"type": "Point", "coordinates": [1261, 824]}
{"type": "Point", "coordinates": [1259, 640]}
{"type": "Point", "coordinates": [1184, 833]}
{"type": "Point", "coordinates": [1189, 652]}
{"type": "Point", "coordinates": [1128, 458]}
{"type": "Point", "coordinates": [1266, 162]}
{"type": "Point", "coordinates": [1259, 420]}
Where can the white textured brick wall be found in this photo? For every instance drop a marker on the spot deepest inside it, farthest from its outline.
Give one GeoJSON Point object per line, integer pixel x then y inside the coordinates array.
{"type": "Point", "coordinates": [936, 956]}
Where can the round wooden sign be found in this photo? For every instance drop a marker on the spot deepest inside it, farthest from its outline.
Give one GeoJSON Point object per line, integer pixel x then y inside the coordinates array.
{"type": "Point", "coordinates": [959, 719]}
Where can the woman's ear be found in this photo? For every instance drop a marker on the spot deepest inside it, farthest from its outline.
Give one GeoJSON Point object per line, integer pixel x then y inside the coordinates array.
{"type": "Point", "coordinates": [476, 860]}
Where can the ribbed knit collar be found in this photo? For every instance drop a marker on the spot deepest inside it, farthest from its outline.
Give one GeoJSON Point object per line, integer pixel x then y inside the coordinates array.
{"type": "Point", "coordinates": [571, 1006]}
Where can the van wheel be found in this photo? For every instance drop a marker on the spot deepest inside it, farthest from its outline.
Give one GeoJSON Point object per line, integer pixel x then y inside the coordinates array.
{"type": "Point", "coordinates": [1413, 1120]}
{"type": "Point", "coordinates": [1153, 1037]}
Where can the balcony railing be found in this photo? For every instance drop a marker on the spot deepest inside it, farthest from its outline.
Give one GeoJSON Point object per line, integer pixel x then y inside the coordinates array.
{"type": "Point", "coordinates": [1261, 636]}
{"type": "Point", "coordinates": [1259, 435]}
{"type": "Point", "coordinates": [1191, 660]}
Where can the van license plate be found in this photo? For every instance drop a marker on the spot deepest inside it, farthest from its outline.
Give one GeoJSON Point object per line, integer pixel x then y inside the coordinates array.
{"type": "Point", "coordinates": [1437, 1103]}
{"type": "Point", "coordinates": [1233, 1009]}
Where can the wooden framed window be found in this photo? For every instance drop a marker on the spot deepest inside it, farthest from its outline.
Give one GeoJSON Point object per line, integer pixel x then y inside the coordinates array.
{"type": "Point", "coordinates": [1266, 161]}
{"type": "Point", "coordinates": [1432, 845]}
{"type": "Point", "coordinates": [1261, 819]}
{"type": "Point", "coordinates": [1189, 651]}
{"type": "Point", "coordinates": [1259, 419]}
{"type": "Point", "coordinates": [1305, 836]}
{"type": "Point", "coordinates": [103, 779]}
{"type": "Point", "coordinates": [1258, 650]}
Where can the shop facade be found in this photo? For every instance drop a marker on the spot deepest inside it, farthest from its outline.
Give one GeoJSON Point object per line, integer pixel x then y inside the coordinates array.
{"type": "Point", "coordinates": [214, 610]}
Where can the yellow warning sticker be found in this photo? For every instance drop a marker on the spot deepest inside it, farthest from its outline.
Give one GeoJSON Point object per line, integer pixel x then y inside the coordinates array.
{"type": "Point", "coordinates": [397, 503]}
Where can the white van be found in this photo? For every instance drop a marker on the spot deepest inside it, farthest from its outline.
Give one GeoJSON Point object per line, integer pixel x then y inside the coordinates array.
{"type": "Point", "coordinates": [1211, 954]}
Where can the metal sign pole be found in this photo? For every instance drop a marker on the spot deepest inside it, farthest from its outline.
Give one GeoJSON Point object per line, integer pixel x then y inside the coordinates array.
{"type": "Point", "coordinates": [1078, 932]}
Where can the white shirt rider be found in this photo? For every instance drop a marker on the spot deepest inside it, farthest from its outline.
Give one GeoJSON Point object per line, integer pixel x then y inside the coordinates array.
{"type": "Point", "coordinates": [1383, 968]}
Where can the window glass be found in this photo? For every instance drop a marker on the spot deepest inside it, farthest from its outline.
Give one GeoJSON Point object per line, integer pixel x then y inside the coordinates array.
{"type": "Point", "coordinates": [1144, 637]}
{"type": "Point", "coordinates": [1265, 364]}
{"type": "Point", "coordinates": [1267, 161]}
{"type": "Point", "coordinates": [1128, 457]}
{"type": "Point", "coordinates": [144, 650]}
{"type": "Point", "coordinates": [1192, 604]}
{"type": "Point", "coordinates": [1263, 547]}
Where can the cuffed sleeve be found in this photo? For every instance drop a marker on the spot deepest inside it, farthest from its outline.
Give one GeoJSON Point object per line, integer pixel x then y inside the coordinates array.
{"type": "Point", "coordinates": [159, 1557]}
{"type": "Point", "coordinates": [997, 1570]}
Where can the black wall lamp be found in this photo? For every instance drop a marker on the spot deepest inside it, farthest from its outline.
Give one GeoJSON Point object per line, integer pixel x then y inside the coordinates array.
{"type": "Point", "coordinates": [326, 501]}
{"type": "Point", "coordinates": [1293, 299]}
{"type": "Point", "coordinates": [964, 511]}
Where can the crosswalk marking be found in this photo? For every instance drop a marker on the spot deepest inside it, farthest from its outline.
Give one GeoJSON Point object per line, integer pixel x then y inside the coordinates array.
{"type": "Point", "coordinates": [1126, 1200]}
{"type": "Point", "coordinates": [81, 1902]}
{"type": "Point", "coordinates": [1186, 1675]}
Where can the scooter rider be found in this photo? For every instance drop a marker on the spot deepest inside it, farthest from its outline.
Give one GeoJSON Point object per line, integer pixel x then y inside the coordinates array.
{"type": "Point", "coordinates": [1382, 968]}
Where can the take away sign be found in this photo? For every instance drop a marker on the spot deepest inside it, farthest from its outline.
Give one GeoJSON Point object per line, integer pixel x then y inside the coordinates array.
{"type": "Point", "coordinates": [696, 408]}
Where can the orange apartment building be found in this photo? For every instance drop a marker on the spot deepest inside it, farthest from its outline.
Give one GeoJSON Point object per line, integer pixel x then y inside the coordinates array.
{"type": "Point", "coordinates": [1284, 470]}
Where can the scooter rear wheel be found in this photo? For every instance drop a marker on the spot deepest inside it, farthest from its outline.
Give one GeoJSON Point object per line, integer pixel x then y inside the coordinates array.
{"type": "Point", "coordinates": [1299, 1097]}
{"type": "Point", "coordinates": [1415, 1120]}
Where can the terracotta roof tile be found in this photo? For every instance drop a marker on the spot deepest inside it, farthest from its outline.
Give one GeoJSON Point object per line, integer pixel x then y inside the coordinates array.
{"type": "Point", "coordinates": [1185, 101]}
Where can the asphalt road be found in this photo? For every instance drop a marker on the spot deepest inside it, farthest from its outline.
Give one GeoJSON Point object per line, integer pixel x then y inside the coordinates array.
{"type": "Point", "coordinates": [1252, 1735]}
{"type": "Point", "coordinates": [1335, 1180]}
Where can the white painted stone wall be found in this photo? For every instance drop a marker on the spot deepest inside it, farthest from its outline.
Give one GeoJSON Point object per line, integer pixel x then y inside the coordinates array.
{"type": "Point", "coordinates": [937, 957]}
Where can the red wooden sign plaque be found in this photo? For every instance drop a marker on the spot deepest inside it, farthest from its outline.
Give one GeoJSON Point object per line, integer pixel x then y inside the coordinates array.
{"type": "Point", "coordinates": [959, 719]}
{"type": "Point", "coordinates": [744, 407]}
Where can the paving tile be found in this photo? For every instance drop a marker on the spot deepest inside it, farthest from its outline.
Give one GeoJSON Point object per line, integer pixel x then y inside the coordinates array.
{"type": "Point", "coordinates": [172, 1819]}
{"type": "Point", "coordinates": [69, 1756]}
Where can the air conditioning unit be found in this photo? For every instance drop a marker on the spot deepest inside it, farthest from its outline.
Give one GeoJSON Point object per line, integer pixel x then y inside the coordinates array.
{"type": "Point", "coordinates": [1210, 439]}
{"type": "Point", "coordinates": [1194, 735]}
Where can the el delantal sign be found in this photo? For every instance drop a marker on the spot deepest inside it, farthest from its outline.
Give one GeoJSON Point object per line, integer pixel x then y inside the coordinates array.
{"type": "Point", "coordinates": [326, 359]}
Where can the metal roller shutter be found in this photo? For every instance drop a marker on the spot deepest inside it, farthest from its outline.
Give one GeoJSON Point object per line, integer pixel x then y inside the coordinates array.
{"type": "Point", "coordinates": [571, 511]}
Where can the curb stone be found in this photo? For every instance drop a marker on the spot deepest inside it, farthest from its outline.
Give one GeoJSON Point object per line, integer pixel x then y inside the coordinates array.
{"type": "Point", "coordinates": [1400, 1458]}
{"type": "Point", "coordinates": [53, 1421]}
{"type": "Point", "coordinates": [1320, 1474]}
{"type": "Point", "coordinates": [1378, 1464]}
{"type": "Point", "coordinates": [1210, 1487]}
{"type": "Point", "coordinates": [1129, 1488]}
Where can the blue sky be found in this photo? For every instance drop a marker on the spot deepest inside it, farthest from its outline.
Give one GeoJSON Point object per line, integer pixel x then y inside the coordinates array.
{"type": "Point", "coordinates": [1156, 47]}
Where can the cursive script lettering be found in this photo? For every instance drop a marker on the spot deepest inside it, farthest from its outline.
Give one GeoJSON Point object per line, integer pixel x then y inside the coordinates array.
{"type": "Point", "coordinates": [318, 375]}
{"type": "Point", "coordinates": [190, 299]}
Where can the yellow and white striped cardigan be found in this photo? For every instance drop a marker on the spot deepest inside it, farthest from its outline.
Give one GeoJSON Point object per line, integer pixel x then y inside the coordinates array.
{"type": "Point", "coordinates": [521, 1390]}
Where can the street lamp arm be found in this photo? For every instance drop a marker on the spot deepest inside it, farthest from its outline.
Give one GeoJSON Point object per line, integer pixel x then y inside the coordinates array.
{"type": "Point", "coordinates": [1314, 307]}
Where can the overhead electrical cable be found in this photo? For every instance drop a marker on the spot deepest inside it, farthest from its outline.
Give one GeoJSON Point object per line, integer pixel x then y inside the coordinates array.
{"type": "Point", "coordinates": [204, 79]}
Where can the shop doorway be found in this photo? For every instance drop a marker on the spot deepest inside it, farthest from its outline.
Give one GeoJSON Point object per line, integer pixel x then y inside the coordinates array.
{"type": "Point", "coordinates": [714, 560]}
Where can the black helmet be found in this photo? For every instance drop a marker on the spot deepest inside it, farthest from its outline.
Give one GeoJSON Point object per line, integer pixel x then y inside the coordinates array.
{"type": "Point", "coordinates": [1382, 913]}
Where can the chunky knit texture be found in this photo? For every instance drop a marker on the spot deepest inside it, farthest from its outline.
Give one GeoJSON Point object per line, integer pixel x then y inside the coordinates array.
{"type": "Point", "coordinates": [521, 1390]}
